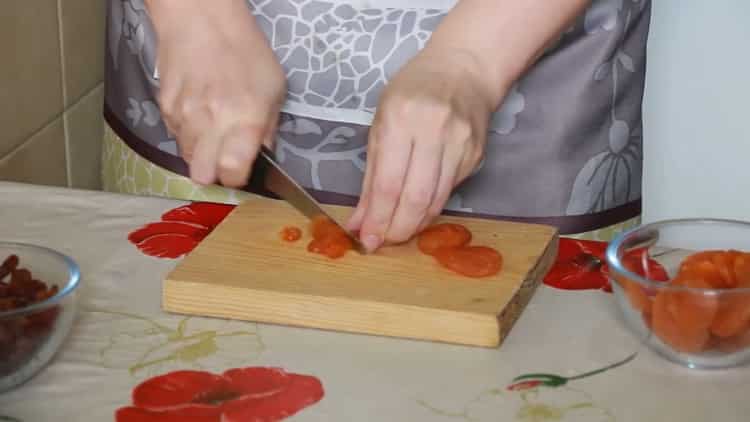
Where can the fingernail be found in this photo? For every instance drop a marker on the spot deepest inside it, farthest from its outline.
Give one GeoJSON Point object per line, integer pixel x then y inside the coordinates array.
{"type": "Point", "coordinates": [371, 242]}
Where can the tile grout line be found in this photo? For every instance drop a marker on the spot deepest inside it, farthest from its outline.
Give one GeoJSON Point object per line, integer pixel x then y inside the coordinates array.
{"type": "Point", "coordinates": [66, 131]}
{"type": "Point", "coordinates": [29, 139]}
{"type": "Point", "coordinates": [46, 125]}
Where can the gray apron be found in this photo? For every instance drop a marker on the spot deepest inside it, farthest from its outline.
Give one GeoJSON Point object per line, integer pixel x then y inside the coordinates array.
{"type": "Point", "coordinates": [565, 147]}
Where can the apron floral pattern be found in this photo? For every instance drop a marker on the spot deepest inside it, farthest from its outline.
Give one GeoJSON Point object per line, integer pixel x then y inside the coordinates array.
{"type": "Point", "coordinates": [565, 147]}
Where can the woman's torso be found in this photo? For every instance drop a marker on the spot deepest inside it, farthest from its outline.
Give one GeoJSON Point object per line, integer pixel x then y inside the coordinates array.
{"type": "Point", "coordinates": [565, 147]}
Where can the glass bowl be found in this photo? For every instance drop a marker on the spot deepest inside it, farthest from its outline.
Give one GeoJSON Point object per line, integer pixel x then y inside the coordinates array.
{"type": "Point", "coordinates": [683, 287]}
{"type": "Point", "coordinates": [34, 322]}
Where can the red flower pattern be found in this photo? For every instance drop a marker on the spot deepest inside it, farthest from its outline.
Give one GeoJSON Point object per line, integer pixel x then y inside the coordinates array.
{"type": "Point", "coordinates": [180, 229]}
{"type": "Point", "coordinates": [581, 265]}
{"type": "Point", "coordinates": [256, 394]}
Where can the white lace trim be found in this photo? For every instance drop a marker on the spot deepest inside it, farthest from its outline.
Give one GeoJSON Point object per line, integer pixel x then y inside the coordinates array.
{"type": "Point", "coordinates": [333, 114]}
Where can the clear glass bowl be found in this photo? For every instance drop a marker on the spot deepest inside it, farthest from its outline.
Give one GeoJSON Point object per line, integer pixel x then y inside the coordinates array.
{"type": "Point", "coordinates": [689, 317]}
{"type": "Point", "coordinates": [30, 336]}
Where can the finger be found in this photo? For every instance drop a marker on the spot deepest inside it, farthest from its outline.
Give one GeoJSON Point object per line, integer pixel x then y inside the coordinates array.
{"type": "Point", "coordinates": [239, 147]}
{"type": "Point", "coordinates": [206, 147]}
{"type": "Point", "coordinates": [421, 184]}
{"type": "Point", "coordinates": [446, 183]}
{"type": "Point", "coordinates": [389, 171]}
{"type": "Point", "coordinates": [187, 137]}
{"type": "Point", "coordinates": [195, 130]}
{"type": "Point", "coordinates": [355, 221]}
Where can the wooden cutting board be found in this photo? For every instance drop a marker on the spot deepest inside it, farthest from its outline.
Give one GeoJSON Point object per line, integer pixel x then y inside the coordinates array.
{"type": "Point", "coordinates": [243, 270]}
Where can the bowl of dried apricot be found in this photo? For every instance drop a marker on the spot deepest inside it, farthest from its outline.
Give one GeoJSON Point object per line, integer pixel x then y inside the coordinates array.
{"type": "Point", "coordinates": [683, 286]}
{"type": "Point", "coordinates": [38, 289]}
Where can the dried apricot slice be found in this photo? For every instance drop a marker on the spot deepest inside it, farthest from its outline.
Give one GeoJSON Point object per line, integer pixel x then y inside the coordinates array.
{"type": "Point", "coordinates": [443, 235]}
{"type": "Point", "coordinates": [714, 266]}
{"type": "Point", "coordinates": [692, 310]}
{"type": "Point", "coordinates": [639, 300]}
{"type": "Point", "coordinates": [733, 315]}
{"type": "Point", "coordinates": [471, 261]}
{"type": "Point", "coordinates": [638, 262]}
{"type": "Point", "coordinates": [741, 268]}
{"type": "Point", "coordinates": [702, 270]}
{"type": "Point", "coordinates": [681, 337]}
{"type": "Point", "coordinates": [735, 343]}
{"type": "Point", "coordinates": [724, 262]}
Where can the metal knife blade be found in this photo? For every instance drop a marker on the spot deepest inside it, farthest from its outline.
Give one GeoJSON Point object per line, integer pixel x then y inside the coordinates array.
{"type": "Point", "coordinates": [276, 180]}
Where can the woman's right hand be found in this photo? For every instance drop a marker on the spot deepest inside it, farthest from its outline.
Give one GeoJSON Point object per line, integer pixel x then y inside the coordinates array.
{"type": "Point", "coordinates": [221, 86]}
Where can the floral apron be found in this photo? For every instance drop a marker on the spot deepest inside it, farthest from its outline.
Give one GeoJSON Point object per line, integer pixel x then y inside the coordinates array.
{"type": "Point", "coordinates": [565, 147]}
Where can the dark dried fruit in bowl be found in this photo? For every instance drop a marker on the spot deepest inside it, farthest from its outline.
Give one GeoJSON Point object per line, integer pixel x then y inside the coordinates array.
{"type": "Point", "coordinates": [21, 336]}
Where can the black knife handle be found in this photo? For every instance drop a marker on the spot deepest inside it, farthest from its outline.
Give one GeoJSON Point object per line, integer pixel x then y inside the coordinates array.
{"type": "Point", "coordinates": [256, 182]}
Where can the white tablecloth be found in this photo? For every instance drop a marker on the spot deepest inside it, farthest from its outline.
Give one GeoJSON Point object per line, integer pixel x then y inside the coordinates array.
{"type": "Point", "coordinates": [122, 337]}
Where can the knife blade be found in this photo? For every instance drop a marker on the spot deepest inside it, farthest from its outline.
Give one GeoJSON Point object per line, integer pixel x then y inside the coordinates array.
{"type": "Point", "coordinates": [275, 179]}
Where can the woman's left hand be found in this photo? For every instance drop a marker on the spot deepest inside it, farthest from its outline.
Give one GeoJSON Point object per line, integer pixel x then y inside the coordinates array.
{"type": "Point", "coordinates": [428, 135]}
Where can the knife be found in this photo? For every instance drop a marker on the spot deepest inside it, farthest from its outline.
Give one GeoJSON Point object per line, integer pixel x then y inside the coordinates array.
{"type": "Point", "coordinates": [273, 178]}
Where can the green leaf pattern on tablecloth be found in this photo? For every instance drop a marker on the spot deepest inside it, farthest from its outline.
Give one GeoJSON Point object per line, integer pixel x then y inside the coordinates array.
{"type": "Point", "coordinates": [563, 404]}
{"type": "Point", "coordinates": [146, 347]}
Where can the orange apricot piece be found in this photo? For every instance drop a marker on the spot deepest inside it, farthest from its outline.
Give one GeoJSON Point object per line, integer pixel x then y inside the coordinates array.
{"type": "Point", "coordinates": [724, 262]}
{"type": "Point", "coordinates": [735, 343]}
{"type": "Point", "coordinates": [691, 310]}
{"type": "Point", "coordinates": [471, 261]}
{"type": "Point", "coordinates": [741, 268]}
{"type": "Point", "coordinates": [702, 270]}
{"type": "Point", "coordinates": [733, 315]}
{"type": "Point", "coordinates": [444, 235]}
{"type": "Point", "coordinates": [681, 337]}
{"type": "Point", "coordinates": [328, 238]}
{"type": "Point", "coordinates": [291, 234]}
{"type": "Point", "coordinates": [639, 300]}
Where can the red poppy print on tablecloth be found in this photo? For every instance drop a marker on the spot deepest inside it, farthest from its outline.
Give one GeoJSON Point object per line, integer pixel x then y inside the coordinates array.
{"type": "Point", "coordinates": [180, 229]}
{"type": "Point", "coordinates": [258, 394]}
{"type": "Point", "coordinates": [581, 265]}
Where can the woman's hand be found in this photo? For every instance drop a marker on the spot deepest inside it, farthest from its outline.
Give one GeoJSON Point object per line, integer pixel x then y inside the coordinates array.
{"type": "Point", "coordinates": [428, 135]}
{"type": "Point", "coordinates": [430, 128]}
{"type": "Point", "coordinates": [221, 85]}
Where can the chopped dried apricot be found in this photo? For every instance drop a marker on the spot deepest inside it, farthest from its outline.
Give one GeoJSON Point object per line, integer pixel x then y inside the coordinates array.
{"type": "Point", "coordinates": [291, 234]}
{"type": "Point", "coordinates": [328, 238]}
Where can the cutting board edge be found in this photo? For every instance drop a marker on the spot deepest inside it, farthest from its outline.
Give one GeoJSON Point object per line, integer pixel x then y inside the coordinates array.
{"type": "Point", "coordinates": [535, 277]}
{"type": "Point", "coordinates": [471, 329]}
